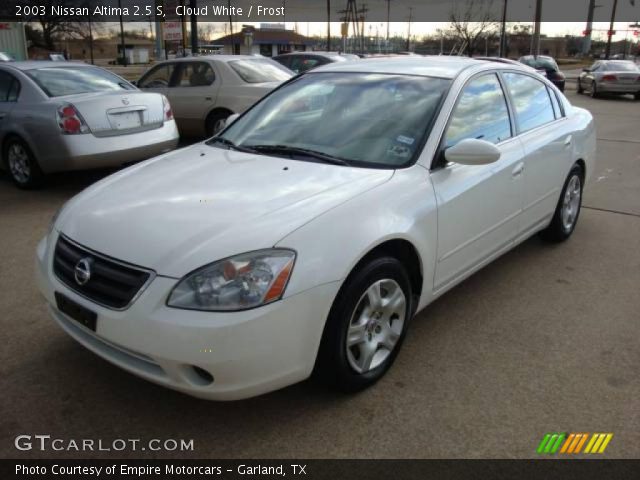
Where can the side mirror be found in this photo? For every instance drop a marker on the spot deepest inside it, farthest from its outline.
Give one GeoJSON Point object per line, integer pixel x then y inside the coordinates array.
{"type": "Point", "coordinates": [134, 83]}
{"type": "Point", "coordinates": [586, 70]}
{"type": "Point", "coordinates": [471, 151]}
{"type": "Point", "coordinates": [231, 118]}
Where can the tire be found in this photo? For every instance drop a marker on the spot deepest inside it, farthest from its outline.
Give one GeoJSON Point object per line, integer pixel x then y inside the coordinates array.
{"type": "Point", "coordinates": [374, 337]}
{"type": "Point", "coordinates": [636, 96]}
{"type": "Point", "coordinates": [21, 164]}
{"type": "Point", "coordinates": [215, 122]}
{"type": "Point", "coordinates": [594, 90]}
{"type": "Point", "coordinates": [568, 208]}
{"type": "Point", "coordinates": [580, 90]}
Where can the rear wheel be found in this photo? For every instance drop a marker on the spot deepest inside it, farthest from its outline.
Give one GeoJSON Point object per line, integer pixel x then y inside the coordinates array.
{"type": "Point", "coordinates": [216, 122]}
{"type": "Point", "coordinates": [637, 96]}
{"type": "Point", "coordinates": [21, 164]}
{"type": "Point", "coordinates": [366, 325]}
{"type": "Point", "coordinates": [567, 211]}
{"type": "Point", "coordinates": [594, 90]}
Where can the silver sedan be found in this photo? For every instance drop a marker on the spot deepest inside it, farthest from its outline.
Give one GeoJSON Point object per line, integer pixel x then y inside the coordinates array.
{"type": "Point", "coordinates": [611, 76]}
{"type": "Point", "coordinates": [205, 91]}
{"type": "Point", "coordinates": [57, 116]}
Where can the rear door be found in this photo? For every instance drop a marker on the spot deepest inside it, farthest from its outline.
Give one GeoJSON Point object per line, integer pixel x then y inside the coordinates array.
{"type": "Point", "coordinates": [9, 91]}
{"type": "Point", "coordinates": [478, 206]}
{"type": "Point", "coordinates": [192, 93]}
{"type": "Point", "coordinates": [547, 141]}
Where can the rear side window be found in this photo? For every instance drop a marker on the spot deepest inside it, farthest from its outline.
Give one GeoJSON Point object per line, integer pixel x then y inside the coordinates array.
{"type": "Point", "coordinates": [9, 88]}
{"type": "Point", "coordinates": [554, 102]}
{"type": "Point", "coordinates": [195, 74]}
{"type": "Point", "coordinates": [60, 81]}
{"type": "Point", "coordinates": [531, 101]}
{"type": "Point", "coordinates": [481, 113]}
{"type": "Point", "coordinates": [259, 70]}
{"type": "Point", "coordinates": [157, 77]}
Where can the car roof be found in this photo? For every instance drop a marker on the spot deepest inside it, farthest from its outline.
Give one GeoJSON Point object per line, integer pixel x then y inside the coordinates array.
{"type": "Point", "coordinates": [429, 66]}
{"type": "Point", "coordinates": [31, 64]}
{"type": "Point", "coordinates": [219, 58]}
{"type": "Point", "coordinates": [319, 54]}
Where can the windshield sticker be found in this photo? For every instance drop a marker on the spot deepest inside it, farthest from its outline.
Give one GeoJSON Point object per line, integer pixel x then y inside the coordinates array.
{"type": "Point", "coordinates": [403, 139]}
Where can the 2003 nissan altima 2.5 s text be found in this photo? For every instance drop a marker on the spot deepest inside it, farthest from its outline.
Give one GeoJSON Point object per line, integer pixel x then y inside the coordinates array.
{"type": "Point", "coordinates": [306, 235]}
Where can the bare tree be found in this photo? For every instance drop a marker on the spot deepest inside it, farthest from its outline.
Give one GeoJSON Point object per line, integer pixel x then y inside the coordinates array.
{"type": "Point", "coordinates": [473, 22]}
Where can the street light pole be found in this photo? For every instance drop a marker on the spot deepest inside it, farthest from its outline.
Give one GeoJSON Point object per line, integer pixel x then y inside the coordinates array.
{"type": "Point", "coordinates": [503, 31]}
{"type": "Point", "coordinates": [610, 32]}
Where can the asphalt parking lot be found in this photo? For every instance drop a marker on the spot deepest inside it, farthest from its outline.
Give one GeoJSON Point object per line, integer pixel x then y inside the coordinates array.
{"type": "Point", "coordinates": [543, 340]}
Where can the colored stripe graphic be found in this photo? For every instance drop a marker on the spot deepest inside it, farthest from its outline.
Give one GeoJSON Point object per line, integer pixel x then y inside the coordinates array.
{"type": "Point", "coordinates": [598, 442]}
{"type": "Point", "coordinates": [572, 443]}
{"type": "Point", "coordinates": [550, 443]}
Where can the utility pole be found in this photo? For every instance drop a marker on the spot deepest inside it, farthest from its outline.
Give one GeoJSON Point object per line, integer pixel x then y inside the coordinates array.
{"type": "Point", "coordinates": [503, 32]}
{"type": "Point", "coordinates": [233, 40]}
{"type": "Point", "coordinates": [388, 18]}
{"type": "Point", "coordinates": [610, 32]}
{"type": "Point", "coordinates": [536, 33]}
{"type": "Point", "coordinates": [328, 25]}
{"type": "Point", "coordinates": [586, 44]}
{"type": "Point", "coordinates": [194, 27]}
{"type": "Point", "coordinates": [409, 29]}
{"type": "Point", "coordinates": [124, 53]}
{"type": "Point", "coordinates": [90, 36]}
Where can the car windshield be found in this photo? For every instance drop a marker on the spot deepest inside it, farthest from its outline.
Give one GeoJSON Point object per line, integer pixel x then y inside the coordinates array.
{"type": "Point", "coordinates": [359, 119]}
{"type": "Point", "coordinates": [541, 63]}
{"type": "Point", "coordinates": [621, 67]}
{"type": "Point", "coordinates": [60, 81]}
{"type": "Point", "coordinates": [260, 71]}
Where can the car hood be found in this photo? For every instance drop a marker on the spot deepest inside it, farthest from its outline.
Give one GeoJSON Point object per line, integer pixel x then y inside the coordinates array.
{"type": "Point", "coordinates": [193, 206]}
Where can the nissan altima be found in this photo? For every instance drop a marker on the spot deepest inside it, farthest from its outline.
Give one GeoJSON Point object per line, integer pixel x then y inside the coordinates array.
{"type": "Point", "coordinates": [59, 116]}
{"type": "Point", "coordinates": [306, 235]}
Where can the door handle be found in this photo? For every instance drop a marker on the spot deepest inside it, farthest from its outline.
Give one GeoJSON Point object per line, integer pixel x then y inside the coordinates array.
{"type": "Point", "coordinates": [517, 171]}
{"type": "Point", "coordinates": [567, 141]}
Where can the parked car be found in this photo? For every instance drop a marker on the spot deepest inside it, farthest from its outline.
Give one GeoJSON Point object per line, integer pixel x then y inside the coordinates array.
{"type": "Point", "coordinates": [548, 65]}
{"type": "Point", "coordinates": [508, 61]}
{"type": "Point", "coordinates": [205, 91]}
{"type": "Point", "coordinates": [611, 76]}
{"type": "Point", "coordinates": [307, 234]}
{"type": "Point", "coordinates": [300, 62]}
{"type": "Point", "coordinates": [57, 116]}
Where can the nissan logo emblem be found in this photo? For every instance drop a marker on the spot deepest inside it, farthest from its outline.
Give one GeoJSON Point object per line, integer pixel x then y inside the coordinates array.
{"type": "Point", "coordinates": [125, 101]}
{"type": "Point", "coordinates": [82, 272]}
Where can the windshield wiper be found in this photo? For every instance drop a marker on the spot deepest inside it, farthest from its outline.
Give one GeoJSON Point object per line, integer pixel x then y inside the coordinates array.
{"type": "Point", "coordinates": [287, 150]}
{"type": "Point", "coordinates": [230, 144]}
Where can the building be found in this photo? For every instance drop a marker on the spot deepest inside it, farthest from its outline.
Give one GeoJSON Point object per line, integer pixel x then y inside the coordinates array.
{"type": "Point", "coordinates": [268, 40]}
{"type": "Point", "coordinates": [137, 49]}
{"type": "Point", "coordinates": [13, 40]}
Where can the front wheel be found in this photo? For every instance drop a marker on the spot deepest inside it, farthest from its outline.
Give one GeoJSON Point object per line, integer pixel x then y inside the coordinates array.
{"type": "Point", "coordinates": [366, 325]}
{"type": "Point", "coordinates": [594, 90]}
{"type": "Point", "coordinates": [567, 211]}
{"type": "Point", "coordinates": [580, 90]}
{"type": "Point", "coordinates": [21, 164]}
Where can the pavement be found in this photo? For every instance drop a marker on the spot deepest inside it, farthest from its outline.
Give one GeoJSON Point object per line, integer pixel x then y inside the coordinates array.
{"type": "Point", "coordinates": [545, 339]}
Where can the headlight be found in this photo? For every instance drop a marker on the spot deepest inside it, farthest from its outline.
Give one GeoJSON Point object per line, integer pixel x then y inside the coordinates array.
{"type": "Point", "coordinates": [236, 283]}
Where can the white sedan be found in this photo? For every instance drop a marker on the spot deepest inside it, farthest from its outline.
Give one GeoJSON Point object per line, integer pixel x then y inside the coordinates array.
{"type": "Point", "coordinates": [307, 234]}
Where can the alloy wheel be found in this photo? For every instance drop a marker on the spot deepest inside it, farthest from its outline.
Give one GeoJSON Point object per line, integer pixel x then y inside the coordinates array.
{"type": "Point", "coordinates": [18, 160]}
{"type": "Point", "coordinates": [571, 202]}
{"type": "Point", "coordinates": [376, 325]}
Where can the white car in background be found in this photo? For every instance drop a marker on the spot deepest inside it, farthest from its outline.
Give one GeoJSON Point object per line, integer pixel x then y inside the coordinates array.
{"type": "Point", "coordinates": [205, 91]}
{"type": "Point", "coordinates": [59, 116]}
{"type": "Point", "coordinates": [309, 232]}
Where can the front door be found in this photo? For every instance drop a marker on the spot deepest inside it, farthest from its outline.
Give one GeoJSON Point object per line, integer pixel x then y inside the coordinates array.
{"type": "Point", "coordinates": [478, 206]}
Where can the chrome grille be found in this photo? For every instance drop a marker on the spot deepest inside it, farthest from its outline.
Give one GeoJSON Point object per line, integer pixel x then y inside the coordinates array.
{"type": "Point", "coordinates": [112, 283]}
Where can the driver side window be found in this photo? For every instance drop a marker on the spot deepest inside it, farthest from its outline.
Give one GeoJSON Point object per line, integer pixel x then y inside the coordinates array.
{"type": "Point", "coordinates": [158, 77]}
{"type": "Point", "coordinates": [481, 113]}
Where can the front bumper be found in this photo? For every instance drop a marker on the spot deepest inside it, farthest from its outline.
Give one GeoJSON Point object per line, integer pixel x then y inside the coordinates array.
{"type": "Point", "coordinates": [247, 353]}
